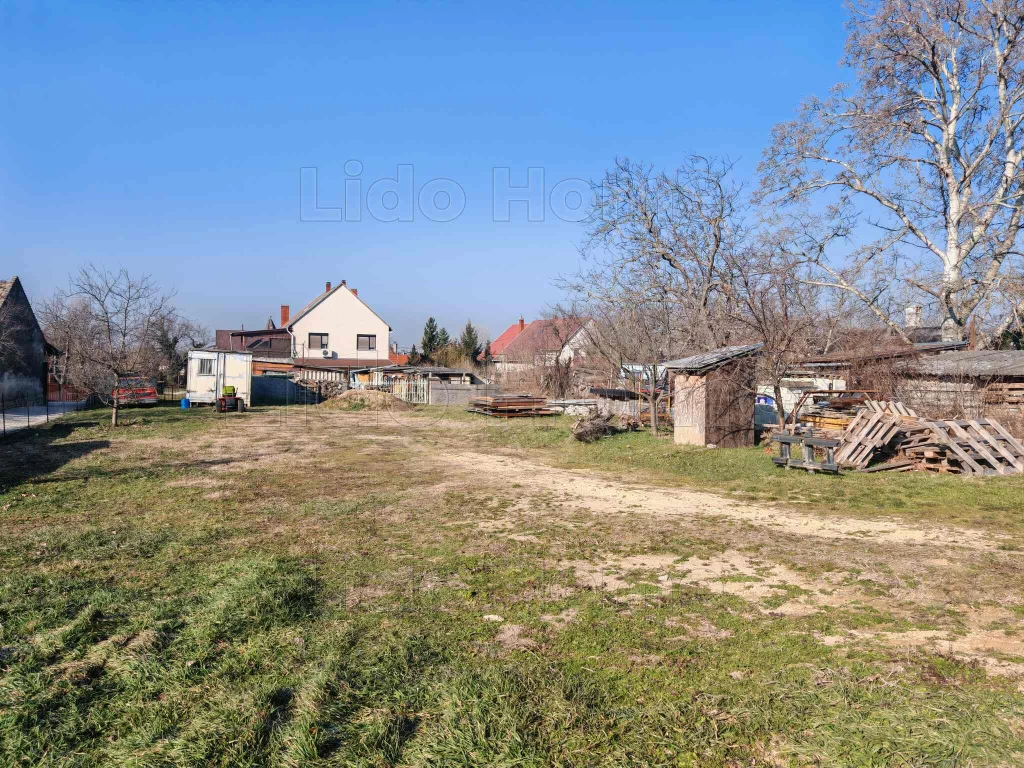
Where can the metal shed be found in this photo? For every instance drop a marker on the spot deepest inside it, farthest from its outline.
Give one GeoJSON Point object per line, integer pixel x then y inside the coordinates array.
{"type": "Point", "coordinates": [713, 397]}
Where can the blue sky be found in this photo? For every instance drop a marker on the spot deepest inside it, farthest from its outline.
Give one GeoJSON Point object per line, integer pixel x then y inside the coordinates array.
{"type": "Point", "coordinates": [170, 137]}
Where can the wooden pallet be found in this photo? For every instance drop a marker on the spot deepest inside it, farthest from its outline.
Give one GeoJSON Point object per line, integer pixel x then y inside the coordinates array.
{"type": "Point", "coordinates": [891, 407]}
{"type": "Point", "coordinates": [979, 446]}
{"type": "Point", "coordinates": [868, 432]}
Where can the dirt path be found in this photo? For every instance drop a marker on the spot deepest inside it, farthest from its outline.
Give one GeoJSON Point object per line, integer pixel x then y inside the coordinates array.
{"type": "Point", "coordinates": [601, 494]}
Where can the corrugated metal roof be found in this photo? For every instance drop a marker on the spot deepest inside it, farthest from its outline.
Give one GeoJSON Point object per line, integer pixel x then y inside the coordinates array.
{"type": "Point", "coordinates": [707, 361]}
{"type": "Point", "coordinates": [983, 362]}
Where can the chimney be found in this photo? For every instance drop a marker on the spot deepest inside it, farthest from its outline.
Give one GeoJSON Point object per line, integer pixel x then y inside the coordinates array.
{"type": "Point", "coordinates": [394, 347]}
{"type": "Point", "coordinates": [285, 314]}
{"type": "Point", "coordinates": [912, 316]}
{"type": "Point", "coordinates": [328, 288]}
{"type": "Point", "coordinates": [355, 291]}
{"type": "Point", "coordinates": [522, 324]}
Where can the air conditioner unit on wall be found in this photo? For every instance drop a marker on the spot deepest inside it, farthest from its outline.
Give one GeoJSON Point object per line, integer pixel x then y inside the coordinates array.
{"type": "Point", "coordinates": [326, 352]}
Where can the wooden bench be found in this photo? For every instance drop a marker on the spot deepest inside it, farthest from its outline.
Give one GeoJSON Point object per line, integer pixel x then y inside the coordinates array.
{"type": "Point", "coordinates": [806, 444]}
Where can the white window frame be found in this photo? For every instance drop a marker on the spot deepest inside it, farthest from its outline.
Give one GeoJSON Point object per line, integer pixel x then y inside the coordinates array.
{"type": "Point", "coordinates": [206, 362]}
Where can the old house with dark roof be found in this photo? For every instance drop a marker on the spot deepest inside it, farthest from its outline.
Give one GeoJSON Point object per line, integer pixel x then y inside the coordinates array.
{"type": "Point", "coordinates": [22, 344]}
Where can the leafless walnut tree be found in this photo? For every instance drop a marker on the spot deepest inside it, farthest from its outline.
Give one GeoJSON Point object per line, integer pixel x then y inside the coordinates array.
{"type": "Point", "coordinates": [924, 147]}
{"type": "Point", "coordinates": [110, 319]}
{"type": "Point", "coordinates": [666, 237]}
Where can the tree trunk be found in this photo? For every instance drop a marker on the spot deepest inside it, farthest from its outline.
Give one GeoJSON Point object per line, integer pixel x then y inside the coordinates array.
{"type": "Point", "coordinates": [113, 413]}
{"type": "Point", "coordinates": [952, 284]}
{"type": "Point", "coordinates": [653, 400]}
{"type": "Point", "coordinates": [779, 407]}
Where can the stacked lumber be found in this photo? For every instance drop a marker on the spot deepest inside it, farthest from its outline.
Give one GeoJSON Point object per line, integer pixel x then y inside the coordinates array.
{"type": "Point", "coordinates": [1004, 393]}
{"type": "Point", "coordinates": [510, 406]}
{"type": "Point", "coordinates": [832, 415]}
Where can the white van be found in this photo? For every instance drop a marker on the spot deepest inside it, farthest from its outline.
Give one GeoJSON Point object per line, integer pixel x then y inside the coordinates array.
{"type": "Point", "coordinates": [210, 370]}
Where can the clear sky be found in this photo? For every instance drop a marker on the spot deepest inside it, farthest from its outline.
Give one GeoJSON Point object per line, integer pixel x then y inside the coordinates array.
{"type": "Point", "coordinates": [171, 137]}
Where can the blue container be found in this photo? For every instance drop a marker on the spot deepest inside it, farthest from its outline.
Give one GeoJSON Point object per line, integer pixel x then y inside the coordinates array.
{"type": "Point", "coordinates": [185, 403]}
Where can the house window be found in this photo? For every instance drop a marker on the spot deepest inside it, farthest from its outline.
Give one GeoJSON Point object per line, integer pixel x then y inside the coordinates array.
{"type": "Point", "coordinates": [366, 343]}
{"type": "Point", "coordinates": [318, 341]}
{"type": "Point", "coordinates": [206, 366]}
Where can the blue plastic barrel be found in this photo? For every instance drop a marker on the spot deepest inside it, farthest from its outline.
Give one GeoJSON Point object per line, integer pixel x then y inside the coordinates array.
{"type": "Point", "coordinates": [185, 403]}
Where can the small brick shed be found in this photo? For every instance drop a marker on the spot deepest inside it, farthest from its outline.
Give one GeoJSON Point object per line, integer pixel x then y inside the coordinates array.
{"type": "Point", "coordinates": [713, 397]}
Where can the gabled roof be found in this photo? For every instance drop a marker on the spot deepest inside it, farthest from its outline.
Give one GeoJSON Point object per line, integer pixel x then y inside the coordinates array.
{"type": "Point", "coordinates": [319, 299]}
{"type": "Point", "coordinates": [506, 337]}
{"type": "Point", "coordinates": [707, 361]}
{"type": "Point", "coordinates": [5, 288]}
{"type": "Point", "coordinates": [544, 336]}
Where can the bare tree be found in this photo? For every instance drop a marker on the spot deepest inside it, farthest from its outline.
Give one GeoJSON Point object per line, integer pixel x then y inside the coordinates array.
{"type": "Point", "coordinates": [928, 141]}
{"type": "Point", "coordinates": [112, 330]}
{"type": "Point", "coordinates": [173, 336]}
{"type": "Point", "coordinates": [672, 234]}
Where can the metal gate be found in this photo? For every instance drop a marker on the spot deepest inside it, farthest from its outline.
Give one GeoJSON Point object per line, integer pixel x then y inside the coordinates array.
{"type": "Point", "coordinates": [410, 390]}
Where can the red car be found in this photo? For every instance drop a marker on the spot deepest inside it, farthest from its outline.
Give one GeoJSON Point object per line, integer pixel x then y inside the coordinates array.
{"type": "Point", "coordinates": [135, 390]}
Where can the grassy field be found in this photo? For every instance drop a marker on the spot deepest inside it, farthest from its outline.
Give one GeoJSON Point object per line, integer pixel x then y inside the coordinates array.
{"type": "Point", "coordinates": [290, 588]}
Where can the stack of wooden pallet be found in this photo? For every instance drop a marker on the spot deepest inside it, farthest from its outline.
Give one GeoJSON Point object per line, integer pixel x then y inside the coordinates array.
{"type": "Point", "coordinates": [903, 440]}
{"type": "Point", "coordinates": [970, 447]}
{"type": "Point", "coordinates": [509, 406]}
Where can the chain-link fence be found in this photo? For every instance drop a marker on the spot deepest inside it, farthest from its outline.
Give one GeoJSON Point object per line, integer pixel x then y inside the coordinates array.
{"type": "Point", "coordinates": [21, 411]}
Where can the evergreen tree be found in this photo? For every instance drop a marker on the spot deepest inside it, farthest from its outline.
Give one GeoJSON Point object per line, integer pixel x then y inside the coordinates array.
{"type": "Point", "coordinates": [443, 339]}
{"type": "Point", "coordinates": [414, 356]}
{"type": "Point", "coordinates": [488, 357]}
{"type": "Point", "coordinates": [431, 339]}
{"type": "Point", "coordinates": [470, 342]}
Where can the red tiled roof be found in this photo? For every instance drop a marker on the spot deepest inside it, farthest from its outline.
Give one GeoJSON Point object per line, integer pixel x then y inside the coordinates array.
{"type": "Point", "coordinates": [543, 336]}
{"type": "Point", "coordinates": [499, 344]}
{"type": "Point", "coordinates": [397, 358]}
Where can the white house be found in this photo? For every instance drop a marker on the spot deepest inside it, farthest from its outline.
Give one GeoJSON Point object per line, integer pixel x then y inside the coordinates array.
{"type": "Point", "coordinates": [337, 330]}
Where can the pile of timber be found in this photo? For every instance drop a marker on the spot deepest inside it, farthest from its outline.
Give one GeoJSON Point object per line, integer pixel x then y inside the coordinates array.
{"type": "Point", "coordinates": [509, 406]}
{"type": "Point", "coordinates": [837, 414]}
{"type": "Point", "coordinates": [1004, 393]}
{"type": "Point", "coordinates": [901, 439]}
{"type": "Point", "coordinates": [831, 416]}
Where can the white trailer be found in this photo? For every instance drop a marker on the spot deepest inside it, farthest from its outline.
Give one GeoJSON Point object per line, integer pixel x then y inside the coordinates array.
{"type": "Point", "coordinates": [209, 371]}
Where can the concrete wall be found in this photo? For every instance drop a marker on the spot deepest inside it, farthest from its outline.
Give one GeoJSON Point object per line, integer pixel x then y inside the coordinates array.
{"type": "Point", "coordinates": [451, 393]}
{"type": "Point", "coordinates": [343, 317]}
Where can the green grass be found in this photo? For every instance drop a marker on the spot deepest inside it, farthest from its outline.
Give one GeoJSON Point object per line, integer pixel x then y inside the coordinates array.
{"type": "Point", "coordinates": [335, 617]}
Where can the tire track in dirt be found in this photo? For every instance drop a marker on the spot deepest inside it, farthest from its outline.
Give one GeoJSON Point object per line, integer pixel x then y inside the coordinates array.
{"type": "Point", "coordinates": [603, 494]}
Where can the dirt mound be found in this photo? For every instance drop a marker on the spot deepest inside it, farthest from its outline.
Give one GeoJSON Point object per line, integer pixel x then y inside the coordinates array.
{"type": "Point", "coordinates": [367, 400]}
